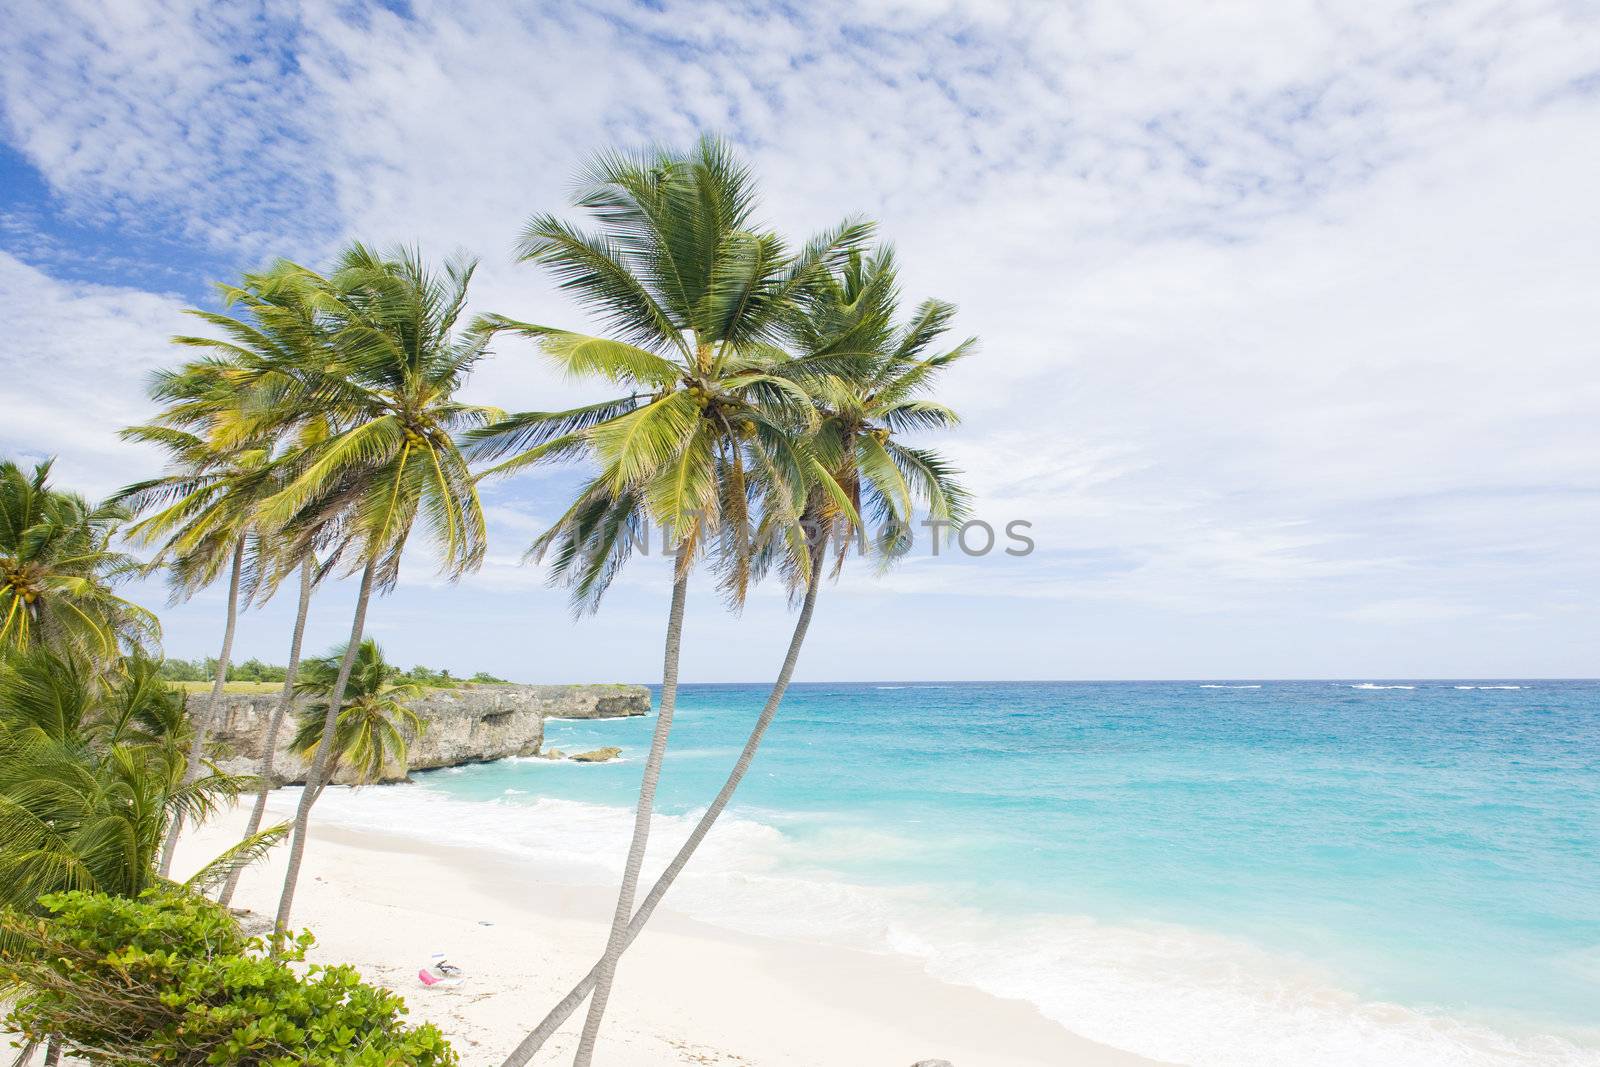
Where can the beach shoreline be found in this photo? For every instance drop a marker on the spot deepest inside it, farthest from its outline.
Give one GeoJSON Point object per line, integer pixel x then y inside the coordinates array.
{"type": "Point", "coordinates": [688, 992]}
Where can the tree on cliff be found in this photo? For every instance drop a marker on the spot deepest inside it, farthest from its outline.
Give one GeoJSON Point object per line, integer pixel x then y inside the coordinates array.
{"type": "Point", "coordinates": [374, 724]}
{"type": "Point", "coordinates": [696, 301]}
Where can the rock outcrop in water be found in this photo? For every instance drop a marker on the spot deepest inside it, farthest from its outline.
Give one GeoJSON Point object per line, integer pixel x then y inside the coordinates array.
{"type": "Point", "coordinates": [469, 725]}
{"type": "Point", "coordinates": [599, 755]}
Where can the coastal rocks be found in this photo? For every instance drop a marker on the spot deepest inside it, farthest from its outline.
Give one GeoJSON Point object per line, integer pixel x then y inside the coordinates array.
{"type": "Point", "coordinates": [469, 725]}
{"type": "Point", "coordinates": [552, 753]}
{"type": "Point", "coordinates": [599, 755]}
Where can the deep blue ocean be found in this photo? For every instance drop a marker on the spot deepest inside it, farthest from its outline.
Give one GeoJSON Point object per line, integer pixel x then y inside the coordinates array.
{"type": "Point", "coordinates": [1278, 872]}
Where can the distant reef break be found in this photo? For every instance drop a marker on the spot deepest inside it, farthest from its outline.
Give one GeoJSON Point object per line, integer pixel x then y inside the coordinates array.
{"type": "Point", "coordinates": [473, 724]}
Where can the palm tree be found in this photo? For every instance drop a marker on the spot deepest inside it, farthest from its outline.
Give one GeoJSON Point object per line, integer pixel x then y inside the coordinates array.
{"type": "Point", "coordinates": [246, 389]}
{"type": "Point", "coordinates": [57, 571]}
{"type": "Point", "coordinates": [91, 774]}
{"type": "Point", "coordinates": [233, 421]}
{"type": "Point", "coordinates": [862, 403]}
{"type": "Point", "coordinates": [694, 298]}
{"type": "Point", "coordinates": [375, 721]}
{"type": "Point", "coordinates": [390, 455]}
{"type": "Point", "coordinates": [206, 516]}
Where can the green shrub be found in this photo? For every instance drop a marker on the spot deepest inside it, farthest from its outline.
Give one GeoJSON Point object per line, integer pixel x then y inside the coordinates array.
{"type": "Point", "coordinates": [169, 979]}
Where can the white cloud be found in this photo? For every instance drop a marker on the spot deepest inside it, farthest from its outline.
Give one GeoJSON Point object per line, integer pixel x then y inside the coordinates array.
{"type": "Point", "coordinates": [73, 368]}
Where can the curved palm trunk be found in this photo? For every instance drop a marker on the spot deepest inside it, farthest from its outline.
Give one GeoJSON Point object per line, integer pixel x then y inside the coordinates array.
{"type": "Point", "coordinates": [563, 1011]}
{"type": "Point", "coordinates": [606, 969]}
{"type": "Point", "coordinates": [319, 771]}
{"type": "Point", "coordinates": [308, 571]}
{"type": "Point", "coordinates": [197, 745]}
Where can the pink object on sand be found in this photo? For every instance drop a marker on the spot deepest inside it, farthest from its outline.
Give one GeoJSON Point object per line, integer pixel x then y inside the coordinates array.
{"type": "Point", "coordinates": [427, 979]}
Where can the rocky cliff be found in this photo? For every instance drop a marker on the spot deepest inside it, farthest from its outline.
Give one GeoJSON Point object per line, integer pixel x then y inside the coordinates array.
{"type": "Point", "coordinates": [470, 725]}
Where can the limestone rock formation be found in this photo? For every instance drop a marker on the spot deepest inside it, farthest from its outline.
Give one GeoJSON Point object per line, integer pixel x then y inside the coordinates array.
{"type": "Point", "coordinates": [468, 725]}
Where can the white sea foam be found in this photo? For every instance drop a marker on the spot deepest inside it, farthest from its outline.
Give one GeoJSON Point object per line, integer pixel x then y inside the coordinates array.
{"type": "Point", "coordinates": [891, 687]}
{"type": "Point", "coordinates": [1371, 685]}
{"type": "Point", "coordinates": [1164, 991]}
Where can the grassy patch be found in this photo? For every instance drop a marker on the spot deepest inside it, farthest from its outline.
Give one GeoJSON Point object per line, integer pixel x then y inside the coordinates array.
{"type": "Point", "coordinates": [230, 687]}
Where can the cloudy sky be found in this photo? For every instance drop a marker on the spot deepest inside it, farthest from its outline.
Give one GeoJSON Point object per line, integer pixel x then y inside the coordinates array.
{"type": "Point", "coordinates": [1289, 311]}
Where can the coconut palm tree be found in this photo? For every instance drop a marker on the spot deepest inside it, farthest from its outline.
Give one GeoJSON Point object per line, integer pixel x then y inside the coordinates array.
{"type": "Point", "coordinates": [862, 404]}
{"type": "Point", "coordinates": [226, 425]}
{"type": "Point", "coordinates": [245, 390]}
{"type": "Point", "coordinates": [376, 721]}
{"type": "Point", "coordinates": [57, 571]}
{"type": "Point", "coordinates": [694, 297]}
{"type": "Point", "coordinates": [390, 456]}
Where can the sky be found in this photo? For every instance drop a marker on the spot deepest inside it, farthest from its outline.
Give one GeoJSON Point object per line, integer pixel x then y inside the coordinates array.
{"type": "Point", "coordinates": [1289, 312]}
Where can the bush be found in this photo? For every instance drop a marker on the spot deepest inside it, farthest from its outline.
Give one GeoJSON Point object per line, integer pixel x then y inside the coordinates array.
{"type": "Point", "coordinates": [170, 979]}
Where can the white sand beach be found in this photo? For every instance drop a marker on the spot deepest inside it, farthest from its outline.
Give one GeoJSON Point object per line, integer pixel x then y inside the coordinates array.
{"type": "Point", "coordinates": [688, 993]}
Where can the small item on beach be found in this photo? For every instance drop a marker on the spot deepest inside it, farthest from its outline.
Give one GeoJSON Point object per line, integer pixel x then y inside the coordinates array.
{"type": "Point", "coordinates": [441, 972]}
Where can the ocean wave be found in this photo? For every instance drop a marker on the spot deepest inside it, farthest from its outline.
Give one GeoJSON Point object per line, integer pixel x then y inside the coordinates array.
{"type": "Point", "coordinates": [1164, 991]}
{"type": "Point", "coordinates": [1230, 687]}
{"type": "Point", "coordinates": [891, 687]}
{"type": "Point", "coordinates": [1372, 685]}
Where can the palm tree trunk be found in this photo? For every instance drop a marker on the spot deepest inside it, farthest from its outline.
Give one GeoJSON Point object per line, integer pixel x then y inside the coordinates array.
{"type": "Point", "coordinates": [197, 745]}
{"type": "Point", "coordinates": [607, 968]}
{"type": "Point", "coordinates": [308, 583]}
{"type": "Point", "coordinates": [319, 762]}
{"type": "Point", "coordinates": [563, 1011]}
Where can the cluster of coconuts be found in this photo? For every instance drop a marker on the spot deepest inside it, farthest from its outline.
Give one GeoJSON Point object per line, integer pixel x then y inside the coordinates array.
{"type": "Point", "coordinates": [18, 581]}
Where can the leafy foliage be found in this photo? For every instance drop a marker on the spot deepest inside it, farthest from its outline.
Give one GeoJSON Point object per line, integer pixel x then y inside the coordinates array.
{"type": "Point", "coordinates": [387, 392]}
{"type": "Point", "coordinates": [712, 440]}
{"type": "Point", "coordinates": [91, 776]}
{"type": "Point", "coordinates": [57, 571]}
{"type": "Point", "coordinates": [170, 979]}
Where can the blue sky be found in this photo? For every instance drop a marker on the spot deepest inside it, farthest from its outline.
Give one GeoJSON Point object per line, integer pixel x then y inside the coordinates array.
{"type": "Point", "coordinates": [1289, 314]}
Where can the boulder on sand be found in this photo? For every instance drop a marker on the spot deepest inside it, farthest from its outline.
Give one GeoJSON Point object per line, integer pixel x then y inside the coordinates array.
{"type": "Point", "coordinates": [599, 755]}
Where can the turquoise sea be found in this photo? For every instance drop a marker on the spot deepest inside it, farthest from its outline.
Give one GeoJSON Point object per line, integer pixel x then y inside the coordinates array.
{"type": "Point", "coordinates": [1319, 872]}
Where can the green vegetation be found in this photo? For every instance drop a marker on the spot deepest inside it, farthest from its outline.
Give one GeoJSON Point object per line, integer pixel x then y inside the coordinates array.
{"type": "Point", "coordinates": [92, 775]}
{"type": "Point", "coordinates": [168, 978]}
{"type": "Point", "coordinates": [194, 675]}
